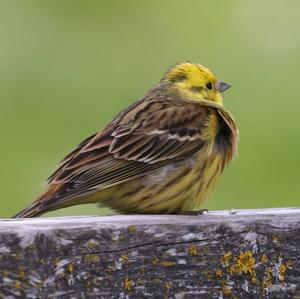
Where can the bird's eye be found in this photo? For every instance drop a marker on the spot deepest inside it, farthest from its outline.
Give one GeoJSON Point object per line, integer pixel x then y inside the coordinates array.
{"type": "Point", "coordinates": [209, 86]}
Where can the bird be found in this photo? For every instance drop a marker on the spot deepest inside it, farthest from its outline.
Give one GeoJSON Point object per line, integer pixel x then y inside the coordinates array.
{"type": "Point", "coordinates": [163, 154]}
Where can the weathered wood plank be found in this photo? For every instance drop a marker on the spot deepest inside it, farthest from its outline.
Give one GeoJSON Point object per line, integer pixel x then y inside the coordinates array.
{"type": "Point", "coordinates": [225, 254]}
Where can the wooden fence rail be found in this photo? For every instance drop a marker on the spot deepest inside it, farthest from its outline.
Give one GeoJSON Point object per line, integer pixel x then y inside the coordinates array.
{"type": "Point", "coordinates": [221, 254]}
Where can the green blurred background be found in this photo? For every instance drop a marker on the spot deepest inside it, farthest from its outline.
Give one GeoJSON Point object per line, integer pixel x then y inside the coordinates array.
{"type": "Point", "coordinates": [67, 67]}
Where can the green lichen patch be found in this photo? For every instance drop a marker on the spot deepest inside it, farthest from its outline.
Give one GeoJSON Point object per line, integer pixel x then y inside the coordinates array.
{"type": "Point", "coordinates": [131, 229]}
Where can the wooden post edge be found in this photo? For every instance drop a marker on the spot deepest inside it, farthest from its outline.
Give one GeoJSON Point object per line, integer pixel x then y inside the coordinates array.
{"type": "Point", "coordinates": [221, 254]}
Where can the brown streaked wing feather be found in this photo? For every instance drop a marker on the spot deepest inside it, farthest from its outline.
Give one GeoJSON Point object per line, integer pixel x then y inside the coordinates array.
{"type": "Point", "coordinates": [69, 157]}
{"type": "Point", "coordinates": [79, 186]}
{"type": "Point", "coordinates": [81, 159]}
{"type": "Point", "coordinates": [173, 131]}
{"type": "Point", "coordinates": [134, 146]}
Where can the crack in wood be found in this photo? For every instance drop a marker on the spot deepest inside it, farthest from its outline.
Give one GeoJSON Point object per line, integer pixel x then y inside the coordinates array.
{"type": "Point", "coordinates": [249, 254]}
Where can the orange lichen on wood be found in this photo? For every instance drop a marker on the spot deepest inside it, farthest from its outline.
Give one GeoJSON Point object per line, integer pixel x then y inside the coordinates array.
{"type": "Point", "coordinates": [218, 273]}
{"type": "Point", "coordinates": [246, 264]}
{"type": "Point", "coordinates": [264, 259]}
{"type": "Point", "coordinates": [168, 285]}
{"type": "Point", "coordinates": [193, 250]}
{"type": "Point", "coordinates": [124, 259]}
{"type": "Point", "coordinates": [267, 280]}
{"type": "Point", "coordinates": [225, 259]}
{"type": "Point", "coordinates": [167, 263]}
{"type": "Point", "coordinates": [70, 268]}
{"type": "Point", "coordinates": [281, 272]}
{"type": "Point", "coordinates": [127, 284]}
{"type": "Point", "coordinates": [226, 290]}
{"type": "Point", "coordinates": [17, 285]}
{"type": "Point", "coordinates": [289, 264]}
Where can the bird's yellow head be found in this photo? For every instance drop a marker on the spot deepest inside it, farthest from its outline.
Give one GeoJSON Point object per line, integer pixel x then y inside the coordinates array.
{"type": "Point", "coordinates": [196, 82]}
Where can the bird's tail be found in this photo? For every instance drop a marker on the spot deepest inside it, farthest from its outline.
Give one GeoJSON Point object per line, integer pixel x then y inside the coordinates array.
{"type": "Point", "coordinates": [50, 200]}
{"type": "Point", "coordinates": [45, 202]}
{"type": "Point", "coordinates": [31, 211]}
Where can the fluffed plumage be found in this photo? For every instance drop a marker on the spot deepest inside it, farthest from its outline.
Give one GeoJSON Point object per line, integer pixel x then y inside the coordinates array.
{"type": "Point", "coordinates": [162, 154]}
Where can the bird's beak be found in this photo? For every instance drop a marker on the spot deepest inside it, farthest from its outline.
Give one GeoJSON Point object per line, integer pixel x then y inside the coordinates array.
{"type": "Point", "coordinates": [222, 86]}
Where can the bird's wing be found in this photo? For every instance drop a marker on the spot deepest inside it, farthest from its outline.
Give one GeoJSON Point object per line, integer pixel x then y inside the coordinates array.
{"type": "Point", "coordinates": [137, 142]}
{"type": "Point", "coordinates": [69, 157]}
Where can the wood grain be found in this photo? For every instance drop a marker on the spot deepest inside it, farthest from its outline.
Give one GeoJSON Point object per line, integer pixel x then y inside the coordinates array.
{"type": "Point", "coordinates": [223, 254]}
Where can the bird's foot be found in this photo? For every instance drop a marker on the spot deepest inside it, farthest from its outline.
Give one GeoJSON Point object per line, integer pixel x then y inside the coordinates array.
{"type": "Point", "coordinates": [196, 213]}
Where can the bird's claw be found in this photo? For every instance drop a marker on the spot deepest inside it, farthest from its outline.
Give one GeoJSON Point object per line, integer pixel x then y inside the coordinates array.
{"type": "Point", "coordinates": [197, 213]}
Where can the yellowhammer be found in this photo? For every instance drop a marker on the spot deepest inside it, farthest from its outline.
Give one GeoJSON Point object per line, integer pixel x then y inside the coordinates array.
{"type": "Point", "coordinates": [162, 154]}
